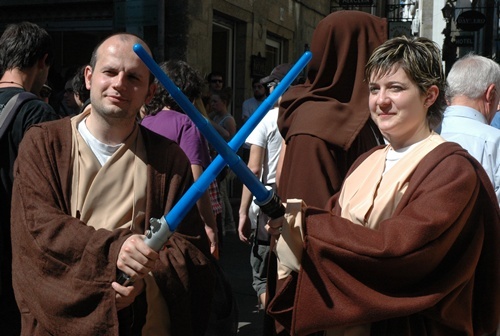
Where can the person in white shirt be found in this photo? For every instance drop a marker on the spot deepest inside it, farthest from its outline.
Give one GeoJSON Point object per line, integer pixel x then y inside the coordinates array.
{"type": "Point", "coordinates": [265, 143]}
{"type": "Point", "coordinates": [473, 94]}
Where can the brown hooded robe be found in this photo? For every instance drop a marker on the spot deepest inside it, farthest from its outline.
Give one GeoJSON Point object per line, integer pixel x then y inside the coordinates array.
{"type": "Point", "coordinates": [326, 121]}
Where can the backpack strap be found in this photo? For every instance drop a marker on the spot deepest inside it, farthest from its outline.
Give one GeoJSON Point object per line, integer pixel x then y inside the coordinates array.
{"type": "Point", "coordinates": [10, 109]}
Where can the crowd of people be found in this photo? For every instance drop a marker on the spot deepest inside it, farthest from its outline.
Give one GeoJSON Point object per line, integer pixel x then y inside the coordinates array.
{"type": "Point", "coordinates": [388, 170]}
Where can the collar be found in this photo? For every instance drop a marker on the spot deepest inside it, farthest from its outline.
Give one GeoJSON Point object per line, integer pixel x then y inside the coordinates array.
{"type": "Point", "coordinates": [465, 112]}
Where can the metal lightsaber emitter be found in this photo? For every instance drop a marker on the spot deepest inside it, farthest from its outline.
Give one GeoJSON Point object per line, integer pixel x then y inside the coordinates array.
{"type": "Point", "coordinates": [161, 229]}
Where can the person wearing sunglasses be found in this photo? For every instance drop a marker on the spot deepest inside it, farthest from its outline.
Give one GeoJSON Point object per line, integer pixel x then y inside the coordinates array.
{"type": "Point", "coordinates": [215, 81]}
{"type": "Point", "coordinates": [215, 84]}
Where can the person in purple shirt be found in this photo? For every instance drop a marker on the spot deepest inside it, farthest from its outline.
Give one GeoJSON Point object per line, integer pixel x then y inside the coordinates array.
{"type": "Point", "coordinates": [162, 115]}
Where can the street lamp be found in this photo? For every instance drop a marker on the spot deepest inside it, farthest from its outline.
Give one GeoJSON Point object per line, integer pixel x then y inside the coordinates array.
{"type": "Point", "coordinates": [449, 52]}
{"type": "Point", "coordinates": [448, 11]}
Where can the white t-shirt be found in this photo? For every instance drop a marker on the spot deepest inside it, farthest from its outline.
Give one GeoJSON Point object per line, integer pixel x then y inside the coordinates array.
{"type": "Point", "coordinates": [102, 151]}
{"type": "Point", "coordinates": [393, 156]}
{"type": "Point", "coordinates": [265, 135]}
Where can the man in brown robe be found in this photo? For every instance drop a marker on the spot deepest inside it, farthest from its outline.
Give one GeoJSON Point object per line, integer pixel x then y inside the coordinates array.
{"type": "Point", "coordinates": [84, 191]}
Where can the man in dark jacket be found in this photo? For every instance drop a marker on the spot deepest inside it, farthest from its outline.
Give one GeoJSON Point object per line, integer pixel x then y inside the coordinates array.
{"type": "Point", "coordinates": [25, 57]}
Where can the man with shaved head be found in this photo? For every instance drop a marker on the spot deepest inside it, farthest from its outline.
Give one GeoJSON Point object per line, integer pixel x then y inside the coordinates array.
{"type": "Point", "coordinates": [85, 188]}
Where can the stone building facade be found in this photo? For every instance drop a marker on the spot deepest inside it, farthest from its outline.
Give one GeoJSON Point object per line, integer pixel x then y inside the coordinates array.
{"type": "Point", "coordinates": [240, 38]}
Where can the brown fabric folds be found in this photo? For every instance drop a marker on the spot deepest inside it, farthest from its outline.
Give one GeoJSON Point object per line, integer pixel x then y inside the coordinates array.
{"type": "Point", "coordinates": [326, 121]}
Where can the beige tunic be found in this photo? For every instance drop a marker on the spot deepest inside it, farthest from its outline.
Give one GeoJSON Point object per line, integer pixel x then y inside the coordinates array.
{"type": "Point", "coordinates": [119, 186]}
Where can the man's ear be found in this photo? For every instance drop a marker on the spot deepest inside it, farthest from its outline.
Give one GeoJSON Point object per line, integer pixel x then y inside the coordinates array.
{"type": "Point", "coordinates": [41, 63]}
{"type": "Point", "coordinates": [491, 102]}
{"type": "Point", "coordinates": [491, 93]}
{"type": "Point", "coordinates": [88, 76]}
{"type": "Point", "coordinates": [151, 93]}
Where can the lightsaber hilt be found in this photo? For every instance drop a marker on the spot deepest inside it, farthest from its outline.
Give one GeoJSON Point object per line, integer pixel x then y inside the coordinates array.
{"type": "Point", "coordinates": [273, 208]}
{"type": "Point", "coordinates": [156, 236]}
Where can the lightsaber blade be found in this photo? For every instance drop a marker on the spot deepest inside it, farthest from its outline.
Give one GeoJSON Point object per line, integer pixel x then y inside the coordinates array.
{"type": "Point", "coordinates": [161, 229]}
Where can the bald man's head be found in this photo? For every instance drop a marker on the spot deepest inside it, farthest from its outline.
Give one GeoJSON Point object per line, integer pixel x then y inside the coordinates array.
{"type": "Point", "coordinates": [124, 37]}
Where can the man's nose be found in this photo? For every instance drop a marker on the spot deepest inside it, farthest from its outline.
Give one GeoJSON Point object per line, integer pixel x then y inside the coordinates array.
{"type": "Point", "coordinates": [119, 80]}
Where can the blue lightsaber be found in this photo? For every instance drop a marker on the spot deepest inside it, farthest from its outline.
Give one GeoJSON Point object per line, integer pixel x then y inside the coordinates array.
{"type": "Point", "coordinates": [269, 202]}
{"type": "Point", "coordinates": [161, 229]}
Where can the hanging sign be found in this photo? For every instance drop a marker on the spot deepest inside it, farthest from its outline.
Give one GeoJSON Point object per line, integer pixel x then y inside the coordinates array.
{"type": "Point", "coordinates": [471, 20]}
{"type": "Point", "coordinates": [464, 41]}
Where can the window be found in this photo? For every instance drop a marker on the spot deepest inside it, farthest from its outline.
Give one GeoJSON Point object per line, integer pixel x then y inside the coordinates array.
{"type": "Point", "coordinates": [274, 54]}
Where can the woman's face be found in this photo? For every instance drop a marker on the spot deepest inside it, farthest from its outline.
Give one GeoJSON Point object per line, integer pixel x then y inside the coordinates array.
{"type": "Point", "coordinates": [217, 104]}
{"type": "Point", "coordinates": [399, 108]}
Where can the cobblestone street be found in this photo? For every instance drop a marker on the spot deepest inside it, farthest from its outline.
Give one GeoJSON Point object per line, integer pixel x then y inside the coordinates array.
{"type": "Point", "coordinates": [236, 265]}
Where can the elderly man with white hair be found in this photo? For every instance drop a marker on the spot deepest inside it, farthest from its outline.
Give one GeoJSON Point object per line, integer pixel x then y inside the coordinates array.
{"type": "Point", "coordinates": [473, 94]}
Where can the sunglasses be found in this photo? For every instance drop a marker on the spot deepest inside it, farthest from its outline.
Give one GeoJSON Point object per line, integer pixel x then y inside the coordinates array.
{"type": "Point", "coordinates": [216, 81]}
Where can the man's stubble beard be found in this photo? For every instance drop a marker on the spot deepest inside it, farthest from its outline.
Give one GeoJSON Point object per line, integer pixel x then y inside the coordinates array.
{"type": "Point", "coordinates": [113, 115]}
{"type": "Point", "coordinates": [260, 96]}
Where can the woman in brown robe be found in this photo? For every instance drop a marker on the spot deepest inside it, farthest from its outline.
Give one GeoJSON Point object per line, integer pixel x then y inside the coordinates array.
{"type": "Point", "coordinates": [325, 122]}
{"type": "Point", "coordinates": [410, 244]}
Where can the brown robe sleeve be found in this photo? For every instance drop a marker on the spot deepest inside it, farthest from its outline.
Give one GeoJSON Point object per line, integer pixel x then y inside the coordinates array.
{"type": "Point", "coordinates": [424, 270]}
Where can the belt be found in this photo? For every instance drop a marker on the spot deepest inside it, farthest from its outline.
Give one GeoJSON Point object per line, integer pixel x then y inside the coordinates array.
{"type": "Point", "coordinates": [263, 242]}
